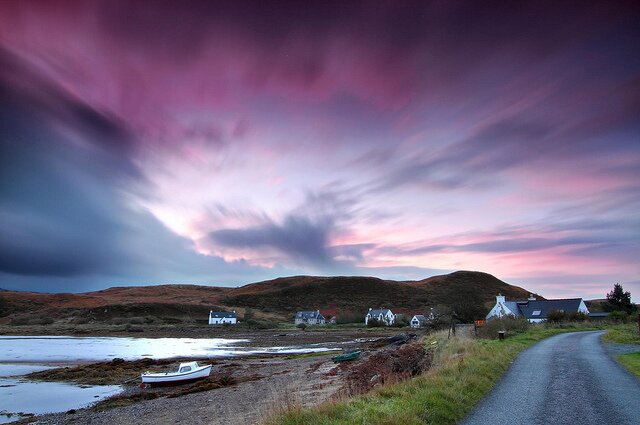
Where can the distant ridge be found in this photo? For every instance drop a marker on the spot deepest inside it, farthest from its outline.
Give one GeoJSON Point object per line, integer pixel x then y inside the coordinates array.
{"type": "Point", "coordinates": [470, 291]}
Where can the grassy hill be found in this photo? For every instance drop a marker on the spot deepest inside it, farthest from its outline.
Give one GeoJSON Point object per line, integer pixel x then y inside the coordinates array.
{"type": "Point", "coordinates": [467, 292]}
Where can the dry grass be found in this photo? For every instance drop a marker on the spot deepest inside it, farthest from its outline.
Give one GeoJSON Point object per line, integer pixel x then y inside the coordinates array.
{"type": "Point", "coordinates": [463, 371]}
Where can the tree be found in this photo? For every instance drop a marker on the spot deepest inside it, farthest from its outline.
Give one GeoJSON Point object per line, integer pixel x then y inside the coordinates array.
{"type": "Point", "coordinates": [620, 300]}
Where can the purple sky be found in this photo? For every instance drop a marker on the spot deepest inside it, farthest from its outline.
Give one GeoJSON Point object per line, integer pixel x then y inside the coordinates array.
{"type": "Point", "coordinates": [224, 143]}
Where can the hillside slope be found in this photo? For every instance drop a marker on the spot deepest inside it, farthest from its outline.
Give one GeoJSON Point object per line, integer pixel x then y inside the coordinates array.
{"type": "Point", "coordinates": [462, 290]}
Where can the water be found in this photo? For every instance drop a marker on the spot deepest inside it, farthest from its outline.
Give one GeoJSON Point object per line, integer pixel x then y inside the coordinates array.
{"type": "Point", "coordinates": [17, 395]}
{"type": "Point", "coordinates": [20, 355]}
{"type": "Point", "coordinates": [88, 349]}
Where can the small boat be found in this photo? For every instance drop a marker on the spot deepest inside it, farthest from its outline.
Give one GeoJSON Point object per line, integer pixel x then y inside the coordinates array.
{"type": "Point", "coordinates": [187, 372]}
{"type": "Point", "coordinates": [346, 357]}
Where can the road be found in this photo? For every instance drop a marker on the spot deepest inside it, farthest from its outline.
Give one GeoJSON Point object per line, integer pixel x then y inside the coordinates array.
{"type": "Point", "coordinates": [565, 379]}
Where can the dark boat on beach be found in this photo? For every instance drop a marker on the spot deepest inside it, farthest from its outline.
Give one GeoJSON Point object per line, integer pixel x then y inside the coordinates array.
{"type": "Point", "coordinates": [346, 357]}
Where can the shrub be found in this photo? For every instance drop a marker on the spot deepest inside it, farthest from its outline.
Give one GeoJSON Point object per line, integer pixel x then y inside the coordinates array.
{"type": "Point", "coordinates": [618, 316]}
{"type": "Point", "coordinates": [578, 316]}
{"type": "Point", "coordinates": [556, 316]}
{"type": "Point", "coordinates": [388, 366]}
{"type": "Point", "coordinates": [374, 323]}
{"type": "Point", "coordinates": [19, 321]}
{"type": "Point", "coordinates": [512, 325]}
{"type": "Point", "coordinates": [344, 317]}
{"type": "Point", "coordinates": [302, 326]}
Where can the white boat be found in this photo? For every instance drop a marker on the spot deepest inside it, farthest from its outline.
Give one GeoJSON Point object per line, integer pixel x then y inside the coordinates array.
{"type": "Point", "coordinates": [186, 372]}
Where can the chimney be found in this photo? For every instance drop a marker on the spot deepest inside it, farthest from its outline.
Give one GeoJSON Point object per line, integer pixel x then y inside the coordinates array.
{"type": "Point", "coordinates": [500, 298]}
{"type": "Point", "coordinates": [531, 297]}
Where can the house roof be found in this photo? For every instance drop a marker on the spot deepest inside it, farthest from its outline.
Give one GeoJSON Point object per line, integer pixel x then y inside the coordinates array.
{"type": "Point", "coordinates": [513, 306]}
{"type": "Point", "coordinates": [380, 311]}
{"type": "Point", "coordinates": [223, 314]}
{"type": "Point", "coordinates": [538, 309]}
{"type": "Point", "coordinates": [420, 318]}
{"type": "Point", "coordinates": [309, 315]}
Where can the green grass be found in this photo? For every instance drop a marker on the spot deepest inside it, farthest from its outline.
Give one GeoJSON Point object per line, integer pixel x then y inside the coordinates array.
{"type": "Point", "coordinates": [622, 334]}
{"type": "Point", "coordinates": [631, 361]}
{"type": "Point", "coordinates": [464, 371]}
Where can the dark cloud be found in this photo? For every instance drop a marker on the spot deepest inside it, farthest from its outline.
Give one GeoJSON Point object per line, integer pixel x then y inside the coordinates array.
{"type": "Point", "coordinates": [65, 170]}
{"type": "Point", "coordinates": [297, 237]}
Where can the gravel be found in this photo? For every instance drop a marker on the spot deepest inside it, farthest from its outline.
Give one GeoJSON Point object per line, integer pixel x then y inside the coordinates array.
{"type": "Point", "coordinates": [567, 379]}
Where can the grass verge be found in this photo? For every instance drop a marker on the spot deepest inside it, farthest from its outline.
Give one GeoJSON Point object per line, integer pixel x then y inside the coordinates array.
{"type": "Point", "coordinates": [622, 334]}
{"type": "Point", "coordinates": [632, 362]}
{"type": "Point", "coordinates": [464, 371]}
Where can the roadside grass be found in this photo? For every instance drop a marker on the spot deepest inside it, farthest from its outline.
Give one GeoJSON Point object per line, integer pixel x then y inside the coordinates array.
{"type": "Point", "coordinates": [464, 371]}
{"type": "Point", "coordinates": [622, 334]}
{"type": "Point", "coordinates": [632, 362]}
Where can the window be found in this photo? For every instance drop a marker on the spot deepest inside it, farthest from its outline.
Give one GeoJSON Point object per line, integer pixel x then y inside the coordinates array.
{"type": "Point", "coordinates": [536, 313]}
{"type": "Point", "coordinates": [185, 369]}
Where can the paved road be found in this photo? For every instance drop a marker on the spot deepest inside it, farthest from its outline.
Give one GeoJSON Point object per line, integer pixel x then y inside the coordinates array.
{"type": "Point", "coordinates": [566, 379]}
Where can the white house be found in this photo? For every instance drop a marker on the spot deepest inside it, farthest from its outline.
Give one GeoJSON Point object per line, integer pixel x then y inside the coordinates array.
{"type": "Point", "coordinates": [222, 317]}
{"type": "Point", "coordinates": [418, 321]}
{"type": "Point", "coordinates": [535, 310]}
{"type": "Point", "coordinates": [382, 315]}
{"type": "Point", "coordinates": [310, 318]}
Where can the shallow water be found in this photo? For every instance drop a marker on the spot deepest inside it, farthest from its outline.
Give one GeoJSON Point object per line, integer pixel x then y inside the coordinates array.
{"type": "Point", "coordinates": [20, 355]}
{"type": "Point", "coordinates": [17, 395]}
{"type": "Point", "coordinates": [82, 349]}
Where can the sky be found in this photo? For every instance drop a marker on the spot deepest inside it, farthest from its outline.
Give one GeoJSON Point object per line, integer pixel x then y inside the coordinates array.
{"type": "Point", "coordinates": [224, 143]}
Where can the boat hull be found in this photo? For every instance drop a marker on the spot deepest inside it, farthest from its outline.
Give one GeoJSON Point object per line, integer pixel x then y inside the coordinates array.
{"type": "Point", "coordinates": [176, 378]}
{"type": "Point", "coordinates": [346, 357]}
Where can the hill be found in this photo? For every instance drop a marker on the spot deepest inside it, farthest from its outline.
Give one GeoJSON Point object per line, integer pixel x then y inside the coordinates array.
{"type": "Point", "coordinates": [468, 293]}
{"type": "Point", "coordinates": [462, 290]}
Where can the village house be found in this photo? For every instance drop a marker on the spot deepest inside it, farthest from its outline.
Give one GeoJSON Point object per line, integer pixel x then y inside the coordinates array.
{"type": "Point", "coordinates": [223, 317]}
{"type": "Point", "coordinates": [383, 315]}
{"type": "Point", "coordinates": [418, 321]}
{"type": "Point", "coordinates": [309, 318]}
{"type": "Point", "coordinates": [535, 310]}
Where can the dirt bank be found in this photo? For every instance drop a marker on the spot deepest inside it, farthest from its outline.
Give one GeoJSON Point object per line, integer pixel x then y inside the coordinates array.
{"type": "Point", "coordinates": [257, 388]}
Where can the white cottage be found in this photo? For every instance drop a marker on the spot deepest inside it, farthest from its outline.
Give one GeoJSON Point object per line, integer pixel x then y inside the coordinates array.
{"type": "Point", "coordinates": [310, 318]}
{"type": "Point", "coordinates": [418, 321]}
{"type": "Point", "coordinates": [223, 317]}
{"type": "Point", "coordinates": [535, 310]}
{"type": "Point", "coordinates": [382, 315]}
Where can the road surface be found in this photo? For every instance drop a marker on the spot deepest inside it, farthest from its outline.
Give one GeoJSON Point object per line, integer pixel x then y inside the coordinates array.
{"type": "Point", "coordinates": [565, 379]}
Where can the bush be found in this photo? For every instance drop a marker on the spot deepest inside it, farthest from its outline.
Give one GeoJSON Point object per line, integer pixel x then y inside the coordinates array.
{"type": "Point", "coordinates": [578, 316]}
{"type": "Point", "coordinates": [512, 325]}
{"type": "Point", "coordinates": [388, 366]}
{"type": "Point", "coordinates": [302, 326]}
{"type": "Point", "coordinates": [4, 307]}
{"type": "Point", "coordinates": [618, 316]}
{"type": "Point", "coordinates": [556, 316]}
{"type": "Point", "coordinates": [344, 317]}
{"type": "Point", "coordinates": [374, 323]}
{"type": "Point", "coordinates": [19, 321]}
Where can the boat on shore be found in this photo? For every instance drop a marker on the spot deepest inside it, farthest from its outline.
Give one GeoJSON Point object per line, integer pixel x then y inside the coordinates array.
{"type": "Point", "coordinates": [346, 357]}
{"type": "Point", "coordinates": [187, 372]}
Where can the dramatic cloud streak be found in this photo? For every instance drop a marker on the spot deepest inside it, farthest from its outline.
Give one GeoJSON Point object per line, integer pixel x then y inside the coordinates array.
{"type": "Point", "coordinates": [147, 142]}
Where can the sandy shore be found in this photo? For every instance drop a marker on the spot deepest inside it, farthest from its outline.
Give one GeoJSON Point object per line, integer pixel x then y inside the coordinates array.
{"type": "Point", "coordinates": [274, 383]}
{"type": "Point", "coordinates": [262, 385]}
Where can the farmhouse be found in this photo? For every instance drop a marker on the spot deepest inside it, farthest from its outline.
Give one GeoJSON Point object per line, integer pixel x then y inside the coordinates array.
{"type": "Point", "coordinates": [222, 317]}
{"type": "Point", "coordinates": [383, 316]}
{"type": "Point", "coordinates": [535, 310]}
{"type": "Point", "coordinates": [418, 321]}
{"type": "Point", "coordinates": [310, 318]}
